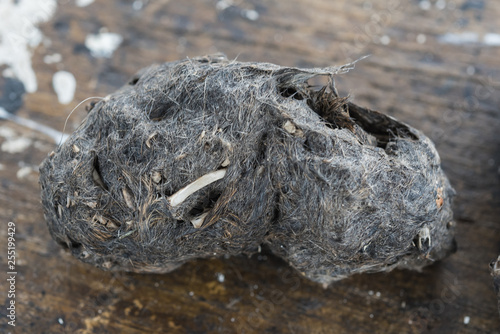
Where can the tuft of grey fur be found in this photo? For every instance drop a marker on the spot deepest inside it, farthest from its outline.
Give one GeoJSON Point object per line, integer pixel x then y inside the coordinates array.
{"type": "Point", "coordinates": [331, 187]}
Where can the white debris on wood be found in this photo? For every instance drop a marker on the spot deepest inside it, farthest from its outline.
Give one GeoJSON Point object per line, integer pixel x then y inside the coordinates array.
{"type": "Point", "coordinates": [19, 36]}
{"type": "Point", "coordinates": [103, 44]}
{"type": "Point", "coordinates": [64, 84]}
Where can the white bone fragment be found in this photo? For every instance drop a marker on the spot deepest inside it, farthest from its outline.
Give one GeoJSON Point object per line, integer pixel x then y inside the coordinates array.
{"type": "Point", "coordinates": [181, 195]}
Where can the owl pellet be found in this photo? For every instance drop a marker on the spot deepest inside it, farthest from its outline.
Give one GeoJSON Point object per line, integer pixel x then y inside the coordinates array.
{"type": "Point", "coordinates": [208, 157]}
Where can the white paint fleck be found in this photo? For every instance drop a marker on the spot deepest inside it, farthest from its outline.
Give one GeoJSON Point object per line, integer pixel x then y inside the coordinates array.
{"type": "Point", "coordinates": [425, 4]}
{"type": "Point", "coordinates": [191, 293]}
{"type": "Point", "coordinates": [7, 132]}
{"type": "Point", "coordinates": [491, 39]}
{"type": "Point", "coordinates": [470, 70]}
{"type": "Point", "coordinates": [421, 38]}
{"type": "Point", "coordinates": [83, 3]}
{"type": "Point", "coordinates": [371, 315]}
{"type": "Point", "coordinates": [441, 4]}
{"type": "Point", "coordinates": [370, 293]}
{"type": "Point", "coordinates": [23, 172]}
{"type": "Point", "coordinates": [459, 38]}
{"type": "Point", "coordinates": [378, 294]}
{"type": "Point", "coordinates": [466, 320]}
{"type": "Point", "coordinates": [60, 321]}
{"type": "Point", "coordinates": [16, 145]}
{"type": "Point", "coordinates": [251, 14]}
{"type": "Point", "coordinates": [137, 5]}
{"type": "Point", "coordinates": [469, 37]}
{"type": "Point", "coordinates": [19, 36]}
{"type": "Point", "coordinates": [222, 5]}
{"type": "Point", "coordinates": [221, 277]}
{"type": "Point", "coordinates": [64, 84]}
{"type": "Point", "coordinates": [403, 304]}
{"type": "Point", "coordinates": [385, 40]}
{"type": "Point", "coordinates": [232, 319]}
{"type": "Point", "coordinates": [52, 59]}
{"type": "Point", "coordinates": [103, 44]}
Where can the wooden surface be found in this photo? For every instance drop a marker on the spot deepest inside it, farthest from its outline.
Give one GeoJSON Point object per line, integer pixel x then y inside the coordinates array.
{"type": "Point", "coordinates": [450, 91]}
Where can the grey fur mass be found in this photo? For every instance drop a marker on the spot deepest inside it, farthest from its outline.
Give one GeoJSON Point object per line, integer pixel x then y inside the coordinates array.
{"type": "Point", "coordinates": [206, 157]}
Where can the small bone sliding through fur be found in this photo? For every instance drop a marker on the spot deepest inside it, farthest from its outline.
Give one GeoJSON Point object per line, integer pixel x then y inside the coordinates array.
{"type": "Point", "coordinates": [181, 195]}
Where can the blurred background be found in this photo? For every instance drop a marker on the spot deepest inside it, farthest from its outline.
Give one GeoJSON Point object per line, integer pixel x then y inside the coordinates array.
{"type": "Point", "coordinates": [433, 64]}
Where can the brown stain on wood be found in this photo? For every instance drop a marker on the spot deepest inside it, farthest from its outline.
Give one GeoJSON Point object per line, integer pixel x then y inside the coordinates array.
{"type": "Point", "coordinates": [425, 85]}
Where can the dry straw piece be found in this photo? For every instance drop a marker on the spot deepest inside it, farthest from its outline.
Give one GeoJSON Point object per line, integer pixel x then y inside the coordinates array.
{"type": "Point", "coordinates": [206, 157]}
